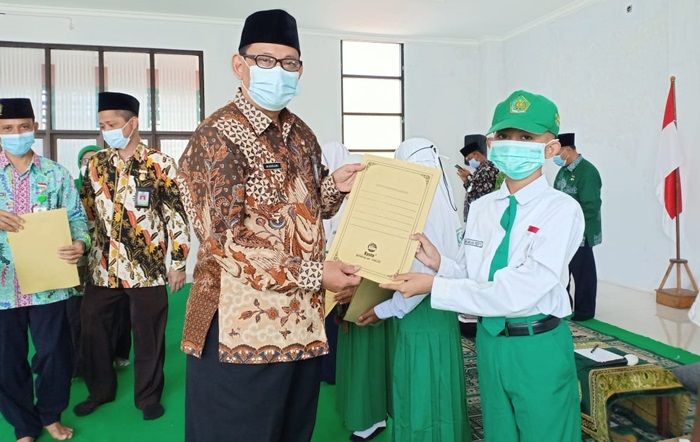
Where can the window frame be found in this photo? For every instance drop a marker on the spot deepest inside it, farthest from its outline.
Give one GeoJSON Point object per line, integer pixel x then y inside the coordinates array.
{"type": "Point", "coordinates": [152, 136]}
{"type": "Point", "coordinates": [401, 78]}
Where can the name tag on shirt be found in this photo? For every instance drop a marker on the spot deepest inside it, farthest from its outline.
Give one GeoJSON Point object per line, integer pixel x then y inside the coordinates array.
{"type": "Point", "coordinates": [473, 243]}
{"type": "Point", "coordinates": [272, 166]}
{"type": "Point", "coordinates": [143, 197]}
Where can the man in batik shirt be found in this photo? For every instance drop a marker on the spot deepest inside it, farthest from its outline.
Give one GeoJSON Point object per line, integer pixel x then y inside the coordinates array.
{"type": "Point", "coordinates": [256, 194]}
{"type": "Point", "coordinates": [133, 204]}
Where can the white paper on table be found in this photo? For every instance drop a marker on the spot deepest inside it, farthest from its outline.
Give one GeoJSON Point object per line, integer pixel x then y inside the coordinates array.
{"type": "Point", "coordinates": [599, 355]}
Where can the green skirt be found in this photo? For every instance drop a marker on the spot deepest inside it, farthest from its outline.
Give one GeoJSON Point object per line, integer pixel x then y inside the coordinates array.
{"type": "Point", "coordinates": [428, 391]}
{"type": "Point", "coordinates": [361, 380]}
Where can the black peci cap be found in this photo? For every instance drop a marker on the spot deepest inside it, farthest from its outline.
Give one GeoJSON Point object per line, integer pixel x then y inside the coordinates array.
{"type": "Point", "coordinates": [117, 101]}
{"type": "Point", "coordinates": [472, 143]}
{"type": "Point", "coordinates": [567, 140]}
{"type": "Point", "coordinates": [273, 26]}
{"type": "Point", "coordinates": [11, 108]}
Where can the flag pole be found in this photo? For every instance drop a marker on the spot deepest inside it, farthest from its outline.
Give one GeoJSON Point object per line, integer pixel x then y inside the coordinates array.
{"type": "Point", "coordinates": [678, 185]}
{"type": "Point", "coordinates": [678, 194]}
{"type": "Point", "coordinates": [677, 297]}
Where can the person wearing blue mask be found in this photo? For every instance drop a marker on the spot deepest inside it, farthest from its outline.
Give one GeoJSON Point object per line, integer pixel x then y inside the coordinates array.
{"type": "Point", "coordinates": [580, 179]}
{"type": "Point", "coordinates": [133, 203]}
{"type": "Point", "coordinates": [482, 176]}
{"type": "Point", "coordinates": [31, 183]}
{"type": "Point", "coordinates": [512, 272]}
{"type": "Point", "coordinates": [257, 194]}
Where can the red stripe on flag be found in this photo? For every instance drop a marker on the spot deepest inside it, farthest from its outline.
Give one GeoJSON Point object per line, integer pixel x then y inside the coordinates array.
{"type": "Point", "coordinates": [672, 194]}
{"type": "Point", "coordinates": [670, 112]}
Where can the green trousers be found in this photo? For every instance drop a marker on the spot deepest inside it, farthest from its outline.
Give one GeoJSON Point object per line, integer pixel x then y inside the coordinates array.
{"type": "Point", "coordinates": [529, 388]}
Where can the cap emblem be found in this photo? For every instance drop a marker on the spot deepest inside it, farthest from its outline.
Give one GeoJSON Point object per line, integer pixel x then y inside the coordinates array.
{"type": "Point", "coordinates": [519, 105]}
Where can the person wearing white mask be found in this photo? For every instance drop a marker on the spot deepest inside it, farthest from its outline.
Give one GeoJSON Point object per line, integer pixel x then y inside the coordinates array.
{"type": "Point", "coordinates": [512, 272]}
{"type": "Point", "coordinates": [256, 193]}
{"type": "Point", "coordinates": [427, 372]}
{"type": "Point", "coordinates": [132, 199]}
{"type": "Point", "coordinates": [31, 183]}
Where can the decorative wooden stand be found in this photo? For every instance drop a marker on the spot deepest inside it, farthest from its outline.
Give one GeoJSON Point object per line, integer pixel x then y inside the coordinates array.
{"type": "Point", "coordinates": [677, 297]}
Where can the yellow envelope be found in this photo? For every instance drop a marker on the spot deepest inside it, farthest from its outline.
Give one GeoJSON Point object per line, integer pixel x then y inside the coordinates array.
{"type": "Point", "coordinates": [390, 201]}
{"type": "Point", "coordinates": [35, 252]}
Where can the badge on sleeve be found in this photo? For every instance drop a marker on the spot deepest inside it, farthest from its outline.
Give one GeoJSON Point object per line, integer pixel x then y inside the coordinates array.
{"type": "Point", "coordinates": [143, 197]}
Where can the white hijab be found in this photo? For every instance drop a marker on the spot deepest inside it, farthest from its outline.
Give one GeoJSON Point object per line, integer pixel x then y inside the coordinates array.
{"type": "Point", "coordinates": [443, 225]}
{"type": "Point", "coordinates": [333, 155]}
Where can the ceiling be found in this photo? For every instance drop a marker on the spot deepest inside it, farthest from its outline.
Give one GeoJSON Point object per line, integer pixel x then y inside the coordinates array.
{"type": "Point", "coordinates": [415, 19]}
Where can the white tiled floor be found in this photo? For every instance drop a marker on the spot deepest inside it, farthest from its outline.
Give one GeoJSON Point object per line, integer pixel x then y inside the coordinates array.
{"type": "Point", "coordinates": [638, 312]}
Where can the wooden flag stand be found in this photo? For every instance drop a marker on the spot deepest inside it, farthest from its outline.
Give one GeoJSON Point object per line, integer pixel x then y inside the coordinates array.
{"type": "Point", "coordinates": [677, 297]}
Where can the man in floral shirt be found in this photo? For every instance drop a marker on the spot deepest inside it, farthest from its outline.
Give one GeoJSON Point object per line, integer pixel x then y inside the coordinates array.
{"type": "Point", "coordinates": [133, 204]}
{"type": "Point", "coordinates": [31, 183]}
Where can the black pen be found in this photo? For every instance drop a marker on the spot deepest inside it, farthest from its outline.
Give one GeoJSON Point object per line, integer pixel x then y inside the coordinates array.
{"type": "Point", "coordinates": [594, 347]}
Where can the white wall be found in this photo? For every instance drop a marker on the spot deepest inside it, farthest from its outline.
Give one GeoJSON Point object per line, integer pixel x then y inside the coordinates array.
{"type": "Point", "coordinates": [441, 100]}
{"type": "Point", "coordinates": [609, 73]}
{"type": "Point", "coordinates": [432, 110]}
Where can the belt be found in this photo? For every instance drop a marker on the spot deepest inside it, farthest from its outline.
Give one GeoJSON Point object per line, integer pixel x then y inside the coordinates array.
{"type": "Point", "coordinates": [529, 328]}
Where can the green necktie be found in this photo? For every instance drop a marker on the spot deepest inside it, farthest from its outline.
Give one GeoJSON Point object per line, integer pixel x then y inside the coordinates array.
{"type": "Point", "coordinates": [495, 325]}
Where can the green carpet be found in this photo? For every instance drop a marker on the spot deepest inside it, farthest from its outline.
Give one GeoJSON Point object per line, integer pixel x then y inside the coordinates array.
{"type": "Point", "coordinates": [676, 354]}
{"type": "Point", "coordinates": [120, 421]}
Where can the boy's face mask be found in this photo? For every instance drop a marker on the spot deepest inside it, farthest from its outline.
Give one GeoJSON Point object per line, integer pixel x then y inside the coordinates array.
{"type": "Point", "coordinates": [517, 159]}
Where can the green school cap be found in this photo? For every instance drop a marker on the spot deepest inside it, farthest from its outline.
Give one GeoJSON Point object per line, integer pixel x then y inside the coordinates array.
{"type": "Point", "coordinates": [526, 111]}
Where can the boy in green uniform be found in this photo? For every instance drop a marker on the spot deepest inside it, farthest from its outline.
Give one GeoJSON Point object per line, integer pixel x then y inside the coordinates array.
{"type": "Point", "coordinates": [580, 179]}
{"type": "Point", "coordinates": [512, 273]}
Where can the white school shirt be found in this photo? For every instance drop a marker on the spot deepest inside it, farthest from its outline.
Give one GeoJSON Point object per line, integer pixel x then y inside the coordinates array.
{"type": "Point", "coordinates": [547, 232]}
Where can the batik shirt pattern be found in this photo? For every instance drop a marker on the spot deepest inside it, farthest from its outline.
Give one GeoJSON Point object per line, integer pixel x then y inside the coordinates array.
{"type": "Point", "coordinates": [480, 183]}
{"type": "Point", "coordinates": [135, 212]}
{"type": "Point", "coordinates": [256, 194]}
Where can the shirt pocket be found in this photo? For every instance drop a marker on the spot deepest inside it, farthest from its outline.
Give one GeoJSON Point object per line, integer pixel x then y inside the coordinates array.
{"type": "Point", "coordinates": [46, 196]}
{"type": "Point", "coordinates": [265, 186]}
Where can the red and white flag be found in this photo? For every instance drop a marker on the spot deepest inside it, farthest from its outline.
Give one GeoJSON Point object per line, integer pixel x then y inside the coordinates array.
{"type": "Point", "coordinates": [670, 167]}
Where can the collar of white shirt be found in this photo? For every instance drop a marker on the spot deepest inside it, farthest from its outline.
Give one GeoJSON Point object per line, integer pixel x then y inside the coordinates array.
{"type": "Point", "coordinates": [527, 193]}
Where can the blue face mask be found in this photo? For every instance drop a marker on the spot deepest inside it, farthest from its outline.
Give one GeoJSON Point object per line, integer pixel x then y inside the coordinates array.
{"type": "Point", "coordinates": [272, 89]}
{"type": "Point", "coordinates": [474, 164]}
{"type": "Point", "coordinates": [115, 138]}
{"type": "Point", "coordinates": [517, 159]}
{"type": "Point", "coordinates": [17, 144]}
{"type": "Point", "coordinates": [559, 161]}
